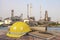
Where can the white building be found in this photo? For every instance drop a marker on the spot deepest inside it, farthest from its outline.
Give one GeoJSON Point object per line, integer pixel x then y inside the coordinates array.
{"type": "Point", "coordinates": [1, 22]}
{"type": "Point", "coordinates": [26, 20]}
{"type": "Point", "coordinates": [7, 21]}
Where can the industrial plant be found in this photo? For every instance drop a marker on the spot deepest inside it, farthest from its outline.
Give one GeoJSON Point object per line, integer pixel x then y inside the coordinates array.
{"type": "Point", "coordinates": [28, 28]}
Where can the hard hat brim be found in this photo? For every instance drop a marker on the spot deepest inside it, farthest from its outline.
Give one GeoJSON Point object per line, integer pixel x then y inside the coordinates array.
{"type": "Point", "coordinates": [13, 35]}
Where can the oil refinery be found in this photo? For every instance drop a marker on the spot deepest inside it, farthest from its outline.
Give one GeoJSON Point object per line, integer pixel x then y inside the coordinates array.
{"type": "Point", "coordinates": [28, 28]}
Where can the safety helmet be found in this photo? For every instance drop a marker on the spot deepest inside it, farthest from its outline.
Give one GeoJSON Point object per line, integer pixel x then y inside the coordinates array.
{"type": "Point", "coordinates": [18, 29]}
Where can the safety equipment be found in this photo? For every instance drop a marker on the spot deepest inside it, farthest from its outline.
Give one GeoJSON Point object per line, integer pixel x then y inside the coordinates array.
{"type": "Point", "coordinates": [18, 29]}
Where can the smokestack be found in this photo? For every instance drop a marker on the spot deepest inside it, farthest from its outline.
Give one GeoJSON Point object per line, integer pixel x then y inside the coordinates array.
{"type": "Point", "coordinates": [46, 15]}
{"type": "Point", "coordinates": [40, 12]}
{"type": "Point", "coordinates": [12, 13]}
{"type": "Point", "coordinates": [28, 11]}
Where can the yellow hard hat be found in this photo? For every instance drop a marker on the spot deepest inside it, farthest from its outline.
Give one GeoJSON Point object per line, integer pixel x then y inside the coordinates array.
{"type": "Point", "coordinates": [18, 29]}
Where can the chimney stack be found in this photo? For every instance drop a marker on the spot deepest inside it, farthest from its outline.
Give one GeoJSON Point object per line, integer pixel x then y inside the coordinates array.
{"type": "Point", "coordinates": [12, 13]}
{"type": "Point", "coordinates": [46, 15]}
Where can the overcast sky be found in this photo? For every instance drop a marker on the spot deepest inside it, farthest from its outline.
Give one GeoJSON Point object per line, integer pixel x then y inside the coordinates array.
{"type": "Point", "coordinates": [20, 6]}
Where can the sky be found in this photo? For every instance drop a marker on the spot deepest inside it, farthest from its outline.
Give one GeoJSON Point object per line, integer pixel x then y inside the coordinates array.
{"type": "Point", "coordinates": [20, 6]}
